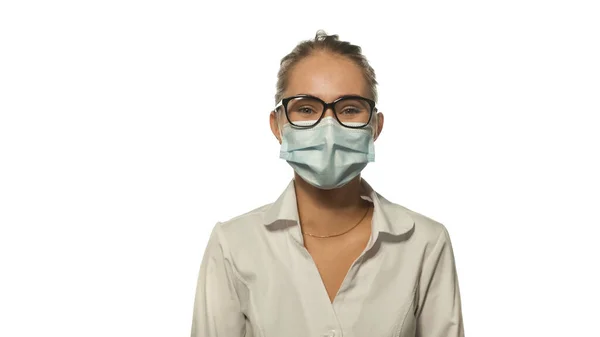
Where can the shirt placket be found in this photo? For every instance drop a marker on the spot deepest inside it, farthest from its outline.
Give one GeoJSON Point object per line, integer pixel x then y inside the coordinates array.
{"type": "Point", "coordinates": [340, 310]}
{"type": "Point", "coordinates": [324, 322]}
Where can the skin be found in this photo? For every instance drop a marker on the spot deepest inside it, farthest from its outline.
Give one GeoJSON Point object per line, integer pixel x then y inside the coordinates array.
{"type": "Point", "coordinates": [326, 212]}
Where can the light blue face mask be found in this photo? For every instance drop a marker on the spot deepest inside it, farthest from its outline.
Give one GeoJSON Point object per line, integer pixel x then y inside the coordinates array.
{"type": "Point", "coordinates": [327, 155]}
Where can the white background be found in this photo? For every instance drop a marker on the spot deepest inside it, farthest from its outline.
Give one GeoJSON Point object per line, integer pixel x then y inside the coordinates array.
{"type": "Point", "coordinates": [129, 128]}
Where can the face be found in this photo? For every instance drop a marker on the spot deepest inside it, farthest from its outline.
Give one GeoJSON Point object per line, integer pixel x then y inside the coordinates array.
{"type": "Point", "coordinates": [328, 77]}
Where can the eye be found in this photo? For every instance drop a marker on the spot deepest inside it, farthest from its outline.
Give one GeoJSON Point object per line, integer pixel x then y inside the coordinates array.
{"type": "Point", "coordinates": [305, 110]}
{"type": "Point", "coordinates": [350, 110]}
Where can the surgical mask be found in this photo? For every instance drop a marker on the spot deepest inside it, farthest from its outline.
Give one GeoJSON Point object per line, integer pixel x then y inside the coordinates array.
{"type": "Point", "coordinates": [327, 155]}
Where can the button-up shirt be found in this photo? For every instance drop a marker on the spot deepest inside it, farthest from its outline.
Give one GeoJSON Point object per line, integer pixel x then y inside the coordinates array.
{"type": "Point", "coordinates": [257, 278]}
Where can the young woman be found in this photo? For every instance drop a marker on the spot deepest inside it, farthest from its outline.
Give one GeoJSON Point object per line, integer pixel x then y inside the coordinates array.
{"type": "Point", "coordinates": [330, 257]}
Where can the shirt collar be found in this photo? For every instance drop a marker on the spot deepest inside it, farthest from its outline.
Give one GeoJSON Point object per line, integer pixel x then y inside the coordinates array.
{"type": "Point", "coordinates": [387, 216]}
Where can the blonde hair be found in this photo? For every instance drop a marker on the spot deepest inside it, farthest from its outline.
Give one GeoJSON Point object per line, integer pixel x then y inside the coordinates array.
{"type": "Point", "coordinates": [329, 43]}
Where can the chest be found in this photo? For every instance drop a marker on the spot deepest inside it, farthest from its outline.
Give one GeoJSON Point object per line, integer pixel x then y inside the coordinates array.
{"type": "Point", "coordinates": [333, 259]}
{"type": "Point", "coordinates": [319, 289]}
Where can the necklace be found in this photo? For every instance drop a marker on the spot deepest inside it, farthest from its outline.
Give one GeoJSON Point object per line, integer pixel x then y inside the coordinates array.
{"type": "Point", "coordinates": [342, 233]}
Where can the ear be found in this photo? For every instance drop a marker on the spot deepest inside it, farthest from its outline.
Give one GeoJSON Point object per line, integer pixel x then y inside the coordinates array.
{"type": "Point", "coordinates": [379, 123]}
{"type": "Point", "coordinates": [275, 126]}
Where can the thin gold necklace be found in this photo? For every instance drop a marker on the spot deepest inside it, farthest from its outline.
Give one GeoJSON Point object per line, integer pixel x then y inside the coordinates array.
{"type": "Point", "coordinates": [342, 233]}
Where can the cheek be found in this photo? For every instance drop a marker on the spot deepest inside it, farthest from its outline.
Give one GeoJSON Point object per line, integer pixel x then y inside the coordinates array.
{"type": "Point", "coordinates": [281, 121]}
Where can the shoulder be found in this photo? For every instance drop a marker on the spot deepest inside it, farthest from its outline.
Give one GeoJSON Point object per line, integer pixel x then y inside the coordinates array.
{"type": "Point", "coordinates": [428, 227]}
{"type": "Point", "coordinates": [428, 237]}
{"type": "Point", "coordinates": [425, 228]}
{"type": "Point", "coordinates": [239, 229]}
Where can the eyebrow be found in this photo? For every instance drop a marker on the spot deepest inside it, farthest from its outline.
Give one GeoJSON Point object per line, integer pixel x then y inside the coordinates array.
{"type": "Point", "coordinates": [338, 97]}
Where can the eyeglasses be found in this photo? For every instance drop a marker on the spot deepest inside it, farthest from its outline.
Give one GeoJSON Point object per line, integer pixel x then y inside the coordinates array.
{"type": "Point", "coordinates": [306, 111]}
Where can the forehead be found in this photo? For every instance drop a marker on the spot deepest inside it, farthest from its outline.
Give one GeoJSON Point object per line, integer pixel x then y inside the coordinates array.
{"type": "Point", "coordinates": [326, 76]}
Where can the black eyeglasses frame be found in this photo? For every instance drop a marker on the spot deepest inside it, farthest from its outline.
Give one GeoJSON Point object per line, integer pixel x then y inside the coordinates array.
{"type": "Point", "coordinates": [284, 102]}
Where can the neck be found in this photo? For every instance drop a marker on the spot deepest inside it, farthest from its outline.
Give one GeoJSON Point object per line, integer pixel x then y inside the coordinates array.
{"type": "Point", "coordinates": [325, 212]}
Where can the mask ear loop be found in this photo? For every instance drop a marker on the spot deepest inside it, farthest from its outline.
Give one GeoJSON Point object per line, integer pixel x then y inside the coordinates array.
{"type": "Point", "coordinates": [279, 120]}
{"type": "Point", "coordinates": [374, 124]}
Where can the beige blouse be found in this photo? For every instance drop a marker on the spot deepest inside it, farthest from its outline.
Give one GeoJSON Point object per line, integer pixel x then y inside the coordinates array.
{"type": "Point", "coordinates": [257, 279]}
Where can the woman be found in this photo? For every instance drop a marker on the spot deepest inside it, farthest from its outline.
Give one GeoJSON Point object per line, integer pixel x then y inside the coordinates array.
{"type": "Point", "coordinates": [330, 257]}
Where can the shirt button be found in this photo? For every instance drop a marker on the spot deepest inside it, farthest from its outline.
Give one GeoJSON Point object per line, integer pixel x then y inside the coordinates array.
{"type": "Point", "coordinates": [331, 333]}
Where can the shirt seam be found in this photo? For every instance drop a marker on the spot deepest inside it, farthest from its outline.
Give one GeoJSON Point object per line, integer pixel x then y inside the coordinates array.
{"type": "Point", "coordinates": [240, 279]}
{"type": "Point", "coordinates": [262, 209]}
{"type": "Point", "coordinates": [400, 325]}
{"type": "Point", "coordinates": [426, 261]}
{"type": "Point", "coordinates": [437, 242]}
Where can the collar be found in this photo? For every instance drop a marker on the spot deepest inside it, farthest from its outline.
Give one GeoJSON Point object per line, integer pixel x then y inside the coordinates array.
{"type": "Point", "coordinates": [387, 216]}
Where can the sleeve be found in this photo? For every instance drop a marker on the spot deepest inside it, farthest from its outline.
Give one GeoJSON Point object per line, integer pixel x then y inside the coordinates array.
{"type": "Point", "coordinates": [439, 312]}
{"type": "Point", "coordinates": [217, 310]}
